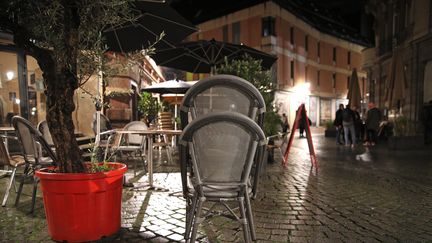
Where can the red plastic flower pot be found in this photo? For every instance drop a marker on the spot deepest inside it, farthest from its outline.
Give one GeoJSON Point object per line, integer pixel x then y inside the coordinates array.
{"type": "Point", "coordinates": [83, 206]}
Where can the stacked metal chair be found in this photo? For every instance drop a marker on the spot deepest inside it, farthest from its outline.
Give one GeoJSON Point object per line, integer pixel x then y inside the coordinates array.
{"type": "Point", "coordinates": [214, 94]}
{"type": "Point", "coordinates": [222, 147]}
{"type": "Point", "coordinates": [36, 152]}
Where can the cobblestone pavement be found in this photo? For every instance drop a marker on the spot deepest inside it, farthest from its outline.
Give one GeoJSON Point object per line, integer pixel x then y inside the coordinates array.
{"type": "Point", "coordinates": [356, 195]}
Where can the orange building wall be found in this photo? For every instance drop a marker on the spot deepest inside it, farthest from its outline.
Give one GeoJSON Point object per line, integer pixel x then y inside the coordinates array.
{"type": "Point", "coordinates": [304, 61]}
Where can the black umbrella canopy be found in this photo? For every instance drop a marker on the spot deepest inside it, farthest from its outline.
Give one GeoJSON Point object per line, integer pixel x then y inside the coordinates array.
{"type": "Point", "coordinates": [203, 55]}
{"type": "Point", "coordinates": [155, 18]}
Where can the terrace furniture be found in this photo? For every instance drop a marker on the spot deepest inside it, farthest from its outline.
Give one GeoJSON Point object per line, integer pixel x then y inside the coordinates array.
{"type": "Point", "coordinates": [105, 125]}
{"type": "Point", "coordinates": [42, 127]}
{"type": "Point", "coordinates": [222, 147]}
{"type": "Point", "coordinates": [147, 135]}
{"type": "Point", "coordinates": [221, 93]}
{"type": "Point", "coordinates": [13, 162]}
{"type": "Point", "coordinates": [36, 152]}
{"type": "Point", "coordinates": [131, 144]}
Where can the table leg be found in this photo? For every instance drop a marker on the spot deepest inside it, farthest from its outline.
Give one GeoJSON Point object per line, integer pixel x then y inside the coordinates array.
{"type": "Point", "coordinates": [150, 185]}
{"type": "Point", "coordinates": [150, 161]}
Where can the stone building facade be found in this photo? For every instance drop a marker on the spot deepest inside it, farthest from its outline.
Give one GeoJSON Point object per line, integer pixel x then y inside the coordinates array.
{"type": "Point", "coordinates": [316, 55]}
{"type": "Point", "coordinates": [403, 32]}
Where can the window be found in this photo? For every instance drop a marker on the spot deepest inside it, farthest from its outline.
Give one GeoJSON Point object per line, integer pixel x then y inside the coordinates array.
{"type": "Point", "coordinates": [292, 70]}
{"type": "Point", "coordinates": [334, 54]}
{"type": "Point", "coordinates": [292, 35]}
{"type": "Point", "coordinates": [268, 26]}
{"type": "Point", "coordinates": [349, 58]}
{"type": "Point", "coordinates": [306, 42]}
{"type": "Point", "coordinates": [236, 33]}
{"type": "Point", "coordinates": [348, 82]}
{"type": "Point", "coordinates": [334, 80]}
{"type": "Point", "coordinates": [318, 50]}
{"type": "Point", "coordinates": [318, 78]}
{"type": "Point", "coordinates": [225, 33]}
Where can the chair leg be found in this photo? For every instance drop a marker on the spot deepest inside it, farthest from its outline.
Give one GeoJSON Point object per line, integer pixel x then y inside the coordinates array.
{"type": "Point", "coordinates": [168, 151]}
{"type": "Point", "coordinates": [35, 185]}
{"type": "Point", "coordinates": [250, 216]}
{"type": "Point", "coordinates": [190, 211]}
{"type": "Point", "coordinates": [12, 178]}
{"type": "Point", "coordinates": [244, 220]}
{"type": "Point", "coordinates": [26, 170]}
{"type": "Point", "coordinates": [197, 219]}
{"type": "Point", "coordinates": [143, 162]}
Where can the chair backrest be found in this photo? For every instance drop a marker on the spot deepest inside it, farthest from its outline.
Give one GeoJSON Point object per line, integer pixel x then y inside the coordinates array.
{"type": "Point", "coordinates": [31, 140]}
{"type": "Point", "coordinates": [42, 127]}
{"type": "Point", "coordinates": [135, 125]}
{"type": "Point", "coordinates": [105, 123]}
{"type": "Point", "coordinates": [222, 93]}
{"type": "Point", "coordinates": [223, 146]}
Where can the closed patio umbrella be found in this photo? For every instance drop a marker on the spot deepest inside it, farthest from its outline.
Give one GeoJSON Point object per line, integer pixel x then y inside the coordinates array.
{"type": "Point", "coordinates": [354, 94]}
{"type": "Point", "coordinates": [396, 83]}
{"type": "Point", "coordinates": [202, 56]}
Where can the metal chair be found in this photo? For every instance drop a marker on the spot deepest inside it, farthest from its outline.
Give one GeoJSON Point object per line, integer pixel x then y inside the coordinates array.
{"type": "Point", "coordinates": [14, 162]}
{"type": "Point", "coordinates": [130, 144]}
{"type": "Point", "coordinates": [36, 152]}
{"type": "Point", "coordinates": [222, 93]}
{"type": "Point", "coordinates": [42, 127]}
{"type": "Point", "coordinates": [165, 141]}
{"type": "Point", "coordinates": [222, 147]}
{"type": "Point", "coordinates": [105, 125]}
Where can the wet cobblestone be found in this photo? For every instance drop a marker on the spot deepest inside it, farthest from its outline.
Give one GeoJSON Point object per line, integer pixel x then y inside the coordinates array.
{"type": "Point", "coordinates": [356, 195]}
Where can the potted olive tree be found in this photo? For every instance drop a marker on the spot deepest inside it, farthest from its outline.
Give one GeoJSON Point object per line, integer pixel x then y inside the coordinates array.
{"type": "Point", "coordinates": [148, 106]}
{"type": "Point", "coordinates": [404, 135]}
{"type": "Point", "coordinates": [65, 38]}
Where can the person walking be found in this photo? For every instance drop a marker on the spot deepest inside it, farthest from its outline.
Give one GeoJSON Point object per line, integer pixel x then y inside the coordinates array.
{"type": "Point", "coordinates": [348, 126]}
{"type": "Point", "coordinates": [338, 124]}
{"type": "Point", "coordinates": [285, 124]}
{"type": "Point", "coordinates": [373, 118]}
{"type": "Point", "coordinates": [357, 124]}
{"type": "Point", "coordinates": [427, 122]}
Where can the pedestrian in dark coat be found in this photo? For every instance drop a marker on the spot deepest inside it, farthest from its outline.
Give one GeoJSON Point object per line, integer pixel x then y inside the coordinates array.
{"type": "Point", "coordinates": [358, 123]}
{"type": "Point", "coordinates": [373, 119]}
{"type": "Point", "coordinates": [338, 123]}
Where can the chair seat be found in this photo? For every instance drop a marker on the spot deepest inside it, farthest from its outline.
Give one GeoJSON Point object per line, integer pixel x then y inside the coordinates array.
{"type": "Point", "coordinates": [16, 160]}
{"type": "Point", "coordinates": [220, 191]}
{"type": "Point", "coordinates": [131, 148]}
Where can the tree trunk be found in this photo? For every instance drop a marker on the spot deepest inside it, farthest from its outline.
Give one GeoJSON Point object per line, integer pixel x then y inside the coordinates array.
{"type": "Point", "coordinates": [60, 75]}
{"type": "Point", "coordinates": [60, 87]}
